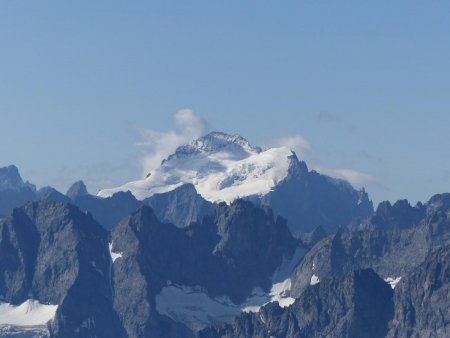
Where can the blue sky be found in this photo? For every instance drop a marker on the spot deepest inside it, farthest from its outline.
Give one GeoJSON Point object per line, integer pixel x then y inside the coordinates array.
{"type": "Point", "coordinates": [365, 84]}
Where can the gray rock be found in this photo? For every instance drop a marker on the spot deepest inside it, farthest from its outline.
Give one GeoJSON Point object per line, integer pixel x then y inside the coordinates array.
{"type": "Point", "coordinates": [180, 207]}
{"type": "Point", "coordinates": [77, 189]}
{"type": "Point", "coordinates": [308, 199]}
{"type": "Point", "coordinates": [391, 252]}
{"type": "Point", "coordinates": [356, 305]}
{"type": "Point", "coordinates": [54, 253]}
{"type": "Point", "coordinates": [422, 307]}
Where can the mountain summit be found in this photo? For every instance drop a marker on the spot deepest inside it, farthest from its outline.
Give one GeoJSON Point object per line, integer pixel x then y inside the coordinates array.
{"type": "Point", "coordinates": [222, 167]}
{"type": "Point", "coordinates": [10, 179]}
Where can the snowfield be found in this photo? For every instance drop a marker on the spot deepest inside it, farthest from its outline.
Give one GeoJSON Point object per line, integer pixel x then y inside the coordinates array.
{"type": "Point", "coordinates": [221, 167]}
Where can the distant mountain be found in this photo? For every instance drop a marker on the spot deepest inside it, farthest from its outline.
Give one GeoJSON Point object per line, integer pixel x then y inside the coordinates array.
{"type": "Point", "coordinates": [10, 179]}
{"type": "Point", "coordinates": [221, 167]}
{"type": "Point", "coordinates": [181, 206]}
{"type": "Point", "coordinates": [107, 211]}
{"type": "Point", "coordinates": [14, 192]}
{"type": "Point", "coordinates": [78, 189]}
{"type": "Point", "coordinates": [224, 167]}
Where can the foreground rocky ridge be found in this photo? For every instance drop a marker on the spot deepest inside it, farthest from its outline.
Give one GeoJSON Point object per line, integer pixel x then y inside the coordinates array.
{"type": "Point", "coordinates": [148, 277]}
{"type": "Point", "coordinates": [55, 254]}
{"type": "Point", "coordinates": [228, 254]}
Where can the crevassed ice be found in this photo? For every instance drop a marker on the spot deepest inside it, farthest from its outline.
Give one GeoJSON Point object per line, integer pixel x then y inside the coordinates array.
{"type": "Point", "coordinates": [218, 177]}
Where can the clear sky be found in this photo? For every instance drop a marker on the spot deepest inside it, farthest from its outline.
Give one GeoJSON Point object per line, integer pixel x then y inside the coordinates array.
{"type": "Point", "coordinates": [365, 85]}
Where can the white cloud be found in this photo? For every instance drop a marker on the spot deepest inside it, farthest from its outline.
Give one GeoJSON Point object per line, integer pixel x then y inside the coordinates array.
{"type": "Point", "coordinates": [356, 178]}
{"type": "Point", "coordinates": [305, 152]}
{"type": "Point", "coordinates": [299, 145]}
{"type": "Point", "coordinates": [157, 145]}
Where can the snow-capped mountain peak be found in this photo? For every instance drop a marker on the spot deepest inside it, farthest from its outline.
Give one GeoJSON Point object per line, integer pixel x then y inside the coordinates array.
{"type": "Point", "coordinates": [215, 142]}
{"type": "Point", "coordinates": [222, 167]}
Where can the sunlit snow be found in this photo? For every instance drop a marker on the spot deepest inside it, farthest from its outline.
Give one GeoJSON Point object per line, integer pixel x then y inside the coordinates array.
{"type": "Point", "coordinates": [29, 313]}
{"type": "Point", "coordinates": [223, 174]}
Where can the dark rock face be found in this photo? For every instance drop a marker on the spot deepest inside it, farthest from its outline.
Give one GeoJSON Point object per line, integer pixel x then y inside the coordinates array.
{"type": "Point", "coordinates": [139, 274]}
{"type": "Point", "coordinates": [107, 211]}
{"type": "Point", "coordinates": [10, 179]}
{"type": "Point", "coordinates": [56, 254]}
{"type": "Point", "coordinates": [52, 194]}
{"type": "Point", "coordinates": [308, 199]}
{"type": "Point", "coordinates": [229, 253]}
{"type": "Point", "coordinates": [251, 243]}
{"type": "Point", "coordinates": [390, 252]}
{"type": "Point", "coordinates": [76, 190]}
{"type": "Point", "coordinates": [311, 238]}
{"type": "Point", "coordinates": [180, 207]}
{"type": "Point", "coordinates": [400, 215]}
{"type": "Point", "coordinates": [356, 305]}
{"type": "Point", "coordinates": [422, 308]}
{"type": "Point", "coordinates": [14, 192]}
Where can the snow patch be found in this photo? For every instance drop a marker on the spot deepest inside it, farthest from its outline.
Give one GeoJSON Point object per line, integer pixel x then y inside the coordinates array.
{"type": "Point", "coordinates": [193, 307]}
{"type": "Point", "coordinates": [314, 280]}
{"type": "Point", "coordinates": [392, 281]}
{"type": "Point", "coordinates": [29, 313]}
{"type": "Point", "coordinates": [114, 255]}
{"type": "Point", "coordinates": [196, 309]}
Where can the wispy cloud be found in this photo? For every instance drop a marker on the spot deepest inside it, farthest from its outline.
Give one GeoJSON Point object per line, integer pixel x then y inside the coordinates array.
{"type": "Point", "coordinates": [356, 178]}
{"type": "Point", "coordinates": [155, 145]}
{"type": "Point", "coordinates": [299, 145]}
{"type": "Point", "coordinates": [305, 151]}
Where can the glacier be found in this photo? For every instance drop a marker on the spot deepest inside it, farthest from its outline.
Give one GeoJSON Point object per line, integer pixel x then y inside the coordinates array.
{"type": "Point", "coordinates": [221, 167]}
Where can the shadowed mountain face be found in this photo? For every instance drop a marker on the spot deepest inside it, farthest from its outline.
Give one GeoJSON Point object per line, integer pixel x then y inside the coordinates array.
{"type": "Point", "coordinates": [181, 206]}
{"type": "Point", "coordinates": [391, 252]}
{"type": "Point", "coordinates": [186, 267]}
{"type": "Point", "coordinates": [108, 211]}
{"type": "Point", "coordinates": [228, 254]}
{"type": "Point", "coordinates": [224, 167]}
{"type": "Point", "coordinates": [55, 254]}
{"type": "Point", "coordinates": [14, 192]}
{"type": "Point", "coordinates": [308, 199]}
{"type": "Point", "coordinates": [356, 305]}
{"type": "Point", "coordinates": [421, 301]}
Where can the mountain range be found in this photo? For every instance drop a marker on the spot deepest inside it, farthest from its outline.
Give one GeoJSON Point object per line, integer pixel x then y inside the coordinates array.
{"type": "Point", "coordinates": [223, 239]}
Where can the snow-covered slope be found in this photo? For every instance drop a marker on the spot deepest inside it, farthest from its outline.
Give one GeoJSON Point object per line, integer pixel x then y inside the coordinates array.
{"type": "Point", "coordinates": [29, 313]}
{"type": "Point", "coordinates": [220, 166]}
